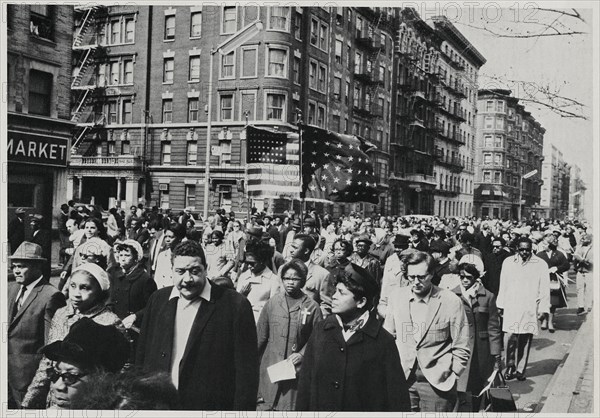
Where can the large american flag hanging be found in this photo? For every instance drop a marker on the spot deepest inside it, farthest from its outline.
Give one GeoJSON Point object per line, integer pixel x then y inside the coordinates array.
{"type": "Point", "coordinates": [273, 159]}
{"type": "Point", "coordinates": [335, 167]}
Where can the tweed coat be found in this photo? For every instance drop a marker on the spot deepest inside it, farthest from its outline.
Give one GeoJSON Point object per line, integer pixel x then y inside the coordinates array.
{"type": "Point", "coordinates": [361, 374]}
{"type": "Point", "coordinates": [129, 294]}
{"type": "Point", "coordinates": [219, 367]}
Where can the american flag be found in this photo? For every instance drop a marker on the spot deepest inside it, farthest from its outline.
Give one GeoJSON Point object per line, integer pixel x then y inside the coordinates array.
{"type": "Point", "coordinates": [335, 167]}
{"type": "Point", "coordinates": [273, 159]}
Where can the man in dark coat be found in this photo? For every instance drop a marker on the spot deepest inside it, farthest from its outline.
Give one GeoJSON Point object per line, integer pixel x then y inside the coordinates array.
{"type": "Point", "coordinates": [493, 265]}
{"type": "Point", "coordinates": [204, 335]}
{"type": "Point", "coordinates": [41, 237]}
{"type": "Point", "coordinates": [16, 229]}
{"type": "Point", "coordinates": [351, 363]}
{"type": "Point", "coordinates": [32, 302]}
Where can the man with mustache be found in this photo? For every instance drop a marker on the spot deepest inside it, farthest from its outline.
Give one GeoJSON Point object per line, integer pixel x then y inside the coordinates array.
{"type": "Point", "coordinates": [204, 335]}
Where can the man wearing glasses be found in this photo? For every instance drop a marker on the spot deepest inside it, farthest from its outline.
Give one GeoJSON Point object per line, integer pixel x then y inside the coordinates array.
{"type": "Point", "coordinates": [524, 296]}
{"type": "Point", "coordinates": [204, 335]}
{"type": "Point", "coordinates": [432, 336]}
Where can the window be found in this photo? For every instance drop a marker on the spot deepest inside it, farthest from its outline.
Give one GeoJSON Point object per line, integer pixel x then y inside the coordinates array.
{"type": "Point", "coordinates": [345, 125]}
{"type": "Point", "coordinates": [125, 147]}
{"type": "Point", "coordinates": [163, 197]}
{"type": "Point", "coordinates": [321, 116]}
{"type": "Point", "coordinates": [487, 177]}
{"type": "Point", "coordinates": [367, 132]}
{"type": "Point", "coordinates": [314, 32]}
{"type": "Point", "coordinates": [499, 123]}
{"type": "Point", "coordinates": [249, 61]}
{"type": "Point", "coordinates": [192, 153]}
{"type": "Point", "coordinates": [487, 159]}
{"type": "Point", "coordinates": [349, 21]}
{"type": "Point", "coordinates": [277, 64]}
{"type": "Point", "coordinates": [115, 32]}
{"type": "Point", "coordinates": [129, 30]}
{"type": "Point", "coordinates": [497, 178]}
{"type": "Point", "coordinates": [193, 103]}
{"type": "Point", "coordinates": [488, 141]}
{"type": "Point", "coordinates": [357, 63]}
{"type": "Point", "coordinates": [40, 92]}
{"type": "Point", "coordinates": [382, 74]}
{"type": "Point", "coordinates": [296, 70]}
{"type": "Point", "coordinates": [190, 195]}
{"type": "Point", "coordinates": [338, 51]}
{"type": "Point", "coordinates": [497, 159]}
{"type": "Point", "coordinates": [278, 19]}
{"type": "Point", "coordinates": [113, 113]}
{"type": "Point", "coordinates": [489, 122]}
{"type": "Point", "coordinates": [41, 21]}
{"type": "Point", "coordinates": [111, 148]}
{"type": "Point", "coordinates": [498, 141]}
{"type": "Point", "coordinates": [169, 27]}
{"type": "Point", "coordinates": [348, 55]}
{"type": "Point", "coordinates": [489, 106]}
{"type": "Point", "coordinates": [312, 113]}
{"type": "Point", "coordinates": [225, 157]}
{"type": "Point", "coordinates": [355, 128]}
{"type": "Point", "coordinates": [168, 66]}
{"type": "Point", "coordinates": [166, 153]}
{"type": "Point", "coordinates": [128, 69]}
{"type": "Point", "coordinates": [336, 123]}
{"type": "Point", "coordinates": [194, 69]}
{"type": "Point", "coordinates": [323, 37]}
{"type": "Point", "coordinates": [196, 25]}
{"type": "Point", "coordinates": [312, 75]}
{"type": "Point", "coordinates": [298, 26]}
{"type": "Point", "coordinates": [228, 65]}
{"type": "Point", "coordinates": [275, 106]}
{"type": "Point", "coordinates": [337, 87]}
{"type": "Point", "coordinates": [127, 112]}
{"type": "Point", "coordinates": [499, 106]}
{"type": "Point", "coordinates": [322, 77]}
{"type": "Point", "coordinates": [229, 24]}
{"type": "Point", "coordinates": [347, 93]}
{"type": "Point", "coordinates": [167, 110]}
{"type": "Point", "coordinates": [114, 73]}
{"type": "Point", "coordinates": [359, 27]}
{"type": "Point", "coordinates": [248, 105]}
{"type": "Point", "coordinates": [225, 197]}
{"type": "Point", "coordinates": [226, 107]}
{"type": "Point", "coordinates": [357, 94]}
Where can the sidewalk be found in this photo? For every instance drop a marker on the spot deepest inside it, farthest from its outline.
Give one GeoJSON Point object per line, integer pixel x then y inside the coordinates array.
{"type": "Point", "coordinates": [572, 387]}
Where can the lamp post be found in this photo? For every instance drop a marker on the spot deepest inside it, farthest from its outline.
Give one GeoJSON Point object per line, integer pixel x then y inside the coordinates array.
{"type": "Point", "coordinates": [524, 176]}
{"type": "Point", "coordinates": [225, 48]}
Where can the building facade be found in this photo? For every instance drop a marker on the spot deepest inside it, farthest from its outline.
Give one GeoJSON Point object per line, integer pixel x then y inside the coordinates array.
{"type": "Point", "coordinates": [455, 142]}
{"type": "Point", "coordinates": [142, 91]}
{"type": "Point", "coordinates": [509, 145]}
{"type": "Point", "coordinates": [577, 194]}
{"type": "Point", "coordinates": [556, 174]}
{"type": "Point", "coordinates": [39, 39]}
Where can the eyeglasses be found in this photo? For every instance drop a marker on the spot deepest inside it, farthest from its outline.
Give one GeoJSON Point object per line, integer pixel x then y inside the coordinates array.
{"type": "Point", "coordinates": [525, 250]}
{"type": "Point", "coordinates": [421, 278]}
{"type": "Point", "coordinates": [251, 263]}
{"type": "Point", "coordinates": [70, 379]}
{"type": "Point", "coordinates": [194, 271]}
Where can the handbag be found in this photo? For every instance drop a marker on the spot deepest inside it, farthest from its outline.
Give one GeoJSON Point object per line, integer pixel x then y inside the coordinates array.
{"type": "Point", "coordinates": [496, 396]}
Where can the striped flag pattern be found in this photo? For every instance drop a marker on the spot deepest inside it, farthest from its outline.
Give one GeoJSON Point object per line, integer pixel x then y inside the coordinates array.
{"type": "Point", "coordinates": [273, 163]}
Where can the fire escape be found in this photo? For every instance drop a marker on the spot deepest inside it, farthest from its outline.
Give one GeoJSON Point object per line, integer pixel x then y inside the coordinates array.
{"type": "Point", "coordinates": [84, 85]}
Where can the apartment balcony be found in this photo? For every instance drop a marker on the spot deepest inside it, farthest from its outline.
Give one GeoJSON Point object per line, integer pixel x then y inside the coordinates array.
{"type": "Point", "coordinates": [454, 164]}
{"type": "Point", "coordinates": [369, 43]}
{"type": "Point", "coordinates": [452, 137]}
{"type": "Point", "coordinates": [120, 162]}
{"type": "Point", "coordinates": [367, 77]}
{"type": "Point", "coordinates": [448, 192]}
{"type": "Point", "coordinates": [368, 110]}
{"type": "Point", "coordinates": [456, 90]}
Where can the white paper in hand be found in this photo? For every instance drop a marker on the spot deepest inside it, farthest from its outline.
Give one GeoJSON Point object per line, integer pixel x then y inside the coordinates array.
{"type": "Point", "coordinates": [284, 370]}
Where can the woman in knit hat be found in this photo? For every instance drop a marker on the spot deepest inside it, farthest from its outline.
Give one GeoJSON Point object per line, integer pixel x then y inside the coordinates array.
{"type": "Point", "coordinates": [89, 289]}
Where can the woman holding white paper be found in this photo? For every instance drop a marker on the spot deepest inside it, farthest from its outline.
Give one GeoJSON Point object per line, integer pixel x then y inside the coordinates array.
{"type": "Point", "coordinates": [284, 326]}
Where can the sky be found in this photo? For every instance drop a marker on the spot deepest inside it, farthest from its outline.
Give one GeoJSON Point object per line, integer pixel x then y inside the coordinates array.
{"type": "Point", "coordinates": [563, 62]}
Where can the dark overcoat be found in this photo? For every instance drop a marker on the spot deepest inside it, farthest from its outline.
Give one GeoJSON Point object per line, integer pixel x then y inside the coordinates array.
{"type": "Point", "coordinates": [485, 339]}
{"type": "Point", "coordinates": [129, 294]}
{"type": "Point", "coordinates": [362, 374]}
{"type": "Point", "coordinates": [219, 368]}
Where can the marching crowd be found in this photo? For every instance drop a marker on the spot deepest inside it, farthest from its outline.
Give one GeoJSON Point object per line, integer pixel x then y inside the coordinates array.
{"type": "Point", "coordinates": [386, 313]}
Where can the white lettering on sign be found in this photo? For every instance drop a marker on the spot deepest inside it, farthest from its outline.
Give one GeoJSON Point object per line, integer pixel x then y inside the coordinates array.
{"type": "Point", "coordinates": [36, 150]}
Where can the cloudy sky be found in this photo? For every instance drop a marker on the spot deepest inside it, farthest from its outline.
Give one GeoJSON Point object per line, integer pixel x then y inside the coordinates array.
{"type": "Point", "coordinates": [562, 63]}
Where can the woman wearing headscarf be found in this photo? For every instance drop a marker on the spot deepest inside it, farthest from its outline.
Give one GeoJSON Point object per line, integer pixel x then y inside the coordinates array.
{"type": "Point", "coordinates": [284, 326]}
{"type": "Point", "coordinates": [89, 289]}
{"type": "Point", "coordinates": [485, 335]}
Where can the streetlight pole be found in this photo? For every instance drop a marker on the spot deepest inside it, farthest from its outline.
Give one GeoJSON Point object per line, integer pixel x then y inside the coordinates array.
{"type": "Point", "coordinates": [225, 48]}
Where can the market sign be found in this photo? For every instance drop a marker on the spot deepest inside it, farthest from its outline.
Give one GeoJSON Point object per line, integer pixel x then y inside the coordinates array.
{"type": "Point", "coordinates": [31, 148]}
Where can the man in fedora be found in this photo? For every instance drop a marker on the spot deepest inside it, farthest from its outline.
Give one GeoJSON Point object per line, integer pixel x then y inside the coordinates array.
{"type": "Point", "coordinates": [362, 258]}
{"type": "Point", "coordinates": [32, 302]}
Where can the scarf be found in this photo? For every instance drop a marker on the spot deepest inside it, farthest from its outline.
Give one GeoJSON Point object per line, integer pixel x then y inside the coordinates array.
{"type": "Point", "coordinates": [470, 294]}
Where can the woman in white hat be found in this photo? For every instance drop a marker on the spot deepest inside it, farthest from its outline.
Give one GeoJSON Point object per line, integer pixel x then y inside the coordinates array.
{"type": "Point", "coordinates": [89, 289]}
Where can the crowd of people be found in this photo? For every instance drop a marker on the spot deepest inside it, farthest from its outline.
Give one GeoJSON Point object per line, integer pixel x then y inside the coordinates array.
{"type": "Point", "coordinates": [158, 310]}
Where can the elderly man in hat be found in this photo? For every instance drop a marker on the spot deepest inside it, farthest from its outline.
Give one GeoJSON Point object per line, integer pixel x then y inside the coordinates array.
{"type": "Point", "coordinates": [362, 258]}
{"type": "Point", "coordinates": [32, 302]}
{"type": "Point", "coordinates": [16, 229]}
